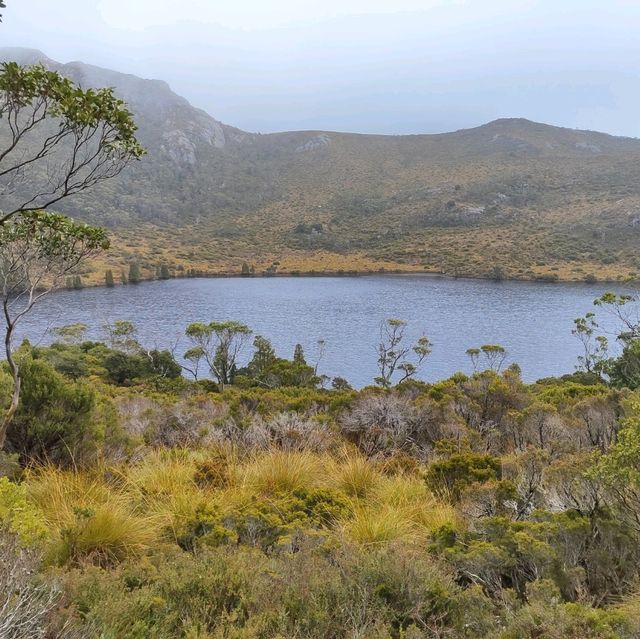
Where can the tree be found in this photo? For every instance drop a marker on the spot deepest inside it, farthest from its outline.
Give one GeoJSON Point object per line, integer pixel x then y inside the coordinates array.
{"type": "Point", "coordinates": [474, 356]}
{"type": "Point", "coordinates": [219, 344]}
{"type": "Point", "coordinates": [121, 335]}
{"type": "Point", "coordinates": [594, 347]}
{"type": "Point", "coordinates": [108, 279]}
{"type": "Point", "coordinates": [246, 270]}
{"type": "Point", "coordinates": [61, 139]}
{"type": "Point", "coordinates": [494, 355]}
{"type": "Point", "coordinates": [37, 250]}
{"type": "Point", "coordinates": [134, 273]}
{"type": "Point", "coordinates": [394, 355]}
{"type": "Point", "coordinates": [623, 371]}
{"type": "Point", "coordinates": [71, 333]}
{"type": "Point", "coordinates": [298, 355]}
{"type": "Point", "coordinates": [263, 357]}
{"type": "Point", "coordinates": [164, 272]}
{"type": "Point", "coordinates": [626, 310]}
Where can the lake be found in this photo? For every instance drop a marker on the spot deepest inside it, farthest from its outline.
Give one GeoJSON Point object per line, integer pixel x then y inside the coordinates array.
{"type": "Point", "coordinates": [532, 320]}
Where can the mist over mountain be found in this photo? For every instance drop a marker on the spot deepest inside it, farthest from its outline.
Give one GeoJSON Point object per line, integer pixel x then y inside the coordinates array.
{"type": "Point", "coordinates": [434, 67]}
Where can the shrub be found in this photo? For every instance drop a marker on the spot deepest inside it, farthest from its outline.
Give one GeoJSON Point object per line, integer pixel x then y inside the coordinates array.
{"type": "Point", "coordinates": [449, 477]}
{"type": "Point", "coordinates": [25, 604]}
{"type": "Point", "coordinates": [19, 515]}
{"type": "Point", "coordinates": [56, 419]}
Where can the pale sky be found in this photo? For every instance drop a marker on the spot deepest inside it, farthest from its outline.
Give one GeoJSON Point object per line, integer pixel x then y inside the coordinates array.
{"type": "Point", "coordinates": [383, 66]}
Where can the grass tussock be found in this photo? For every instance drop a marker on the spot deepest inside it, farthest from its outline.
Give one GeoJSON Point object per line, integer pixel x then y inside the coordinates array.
{"type": "Point", "coordinates": [267, 499]}
{"type": "Point", "coordinates": [279, 472]}
{"type": "Point", "coordinates": [355, 475]}
{"type": "Point", "coordinates": [88, 519]}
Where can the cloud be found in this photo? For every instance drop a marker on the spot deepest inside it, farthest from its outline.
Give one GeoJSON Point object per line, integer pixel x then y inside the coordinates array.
{"type": "Point", "coordinates": [406, 66]}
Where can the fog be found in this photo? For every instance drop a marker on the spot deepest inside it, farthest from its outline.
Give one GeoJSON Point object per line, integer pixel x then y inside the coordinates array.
{"type": "Point", "coordinates": [371, 66]}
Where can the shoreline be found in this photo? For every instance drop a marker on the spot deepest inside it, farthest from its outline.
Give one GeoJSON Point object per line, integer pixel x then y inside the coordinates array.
{"type": "Point", "coordinates": [368, 273]}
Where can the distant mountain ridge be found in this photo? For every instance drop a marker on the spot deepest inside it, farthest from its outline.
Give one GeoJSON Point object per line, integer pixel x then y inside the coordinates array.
{"type": "Point", "coordinates": [437, 202]}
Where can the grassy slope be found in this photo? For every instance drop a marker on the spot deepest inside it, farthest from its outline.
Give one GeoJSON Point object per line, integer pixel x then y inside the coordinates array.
{"type": "Point", "coordinates": [532, 200]}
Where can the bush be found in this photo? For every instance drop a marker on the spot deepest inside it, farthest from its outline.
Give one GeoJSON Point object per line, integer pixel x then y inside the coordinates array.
{"type": "Point", "coordinates": [56, 420]}
{"type": "Point", "coordinates": [449, 477]}
{"type": "Point", "coordinates": [26, 603]}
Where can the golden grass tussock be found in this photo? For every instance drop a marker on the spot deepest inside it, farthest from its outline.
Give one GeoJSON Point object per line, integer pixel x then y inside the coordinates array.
{"type": "Point", "coordinates": [277, 472]}
{"type": "Point", "coordinates": [114, 513]}
{"type": "Point", "coordinates": [374, 526]}
{"type": "Point", "coordinates": [88, 519]}
{"type": "Point", "coordinates": [418, 505]}
{"type": "Point", "coordinates": [397, 508]}
{"type": "Point", "coordinates": [355, 475]}
{"type": "Point", "coordinates": [163, 472]}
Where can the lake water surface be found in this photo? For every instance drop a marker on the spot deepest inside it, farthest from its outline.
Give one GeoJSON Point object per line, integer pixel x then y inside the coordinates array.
{"type": "Point", "coordinates": [533, 321]}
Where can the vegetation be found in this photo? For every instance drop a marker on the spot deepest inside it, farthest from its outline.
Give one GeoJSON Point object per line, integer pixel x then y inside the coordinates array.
{"type": "Point", "coordinates": [135, 502]}
{"type": "Point", "coordinates": [60, 140]}
{"type": "Point", "coordinates": [245, 499]}
{"type": "Point", "coordinates": [510, 199]}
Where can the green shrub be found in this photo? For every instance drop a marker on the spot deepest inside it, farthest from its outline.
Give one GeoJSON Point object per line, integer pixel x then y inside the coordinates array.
{"type": "Point", "coordinates": [55, 421]}
{"type": "Point", "coordinates": [19, 515]}
{"type": "Point", "coordinates": [449, 477]}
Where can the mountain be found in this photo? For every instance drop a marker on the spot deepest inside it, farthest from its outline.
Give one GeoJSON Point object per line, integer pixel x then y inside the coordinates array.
{"type": "Point", "coordinates": [511, 198]}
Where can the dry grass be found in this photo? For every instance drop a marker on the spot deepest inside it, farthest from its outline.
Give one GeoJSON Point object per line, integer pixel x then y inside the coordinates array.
{"type": "Point", "coordinates": [355, 475]}
{"type": "Point", "coordinates": [88, 519]}
{"type": "Point", "coordinates": [278, 472]}
{"type": "Point", "coordinates": [114, 513]}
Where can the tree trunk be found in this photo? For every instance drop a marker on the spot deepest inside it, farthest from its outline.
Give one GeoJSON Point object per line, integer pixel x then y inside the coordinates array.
{"type": "Point", "coordinates": [15, 396]}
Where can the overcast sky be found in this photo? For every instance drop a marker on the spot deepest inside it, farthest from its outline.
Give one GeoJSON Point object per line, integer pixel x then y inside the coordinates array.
{"type": "Point", "coordinates": [382, 66]}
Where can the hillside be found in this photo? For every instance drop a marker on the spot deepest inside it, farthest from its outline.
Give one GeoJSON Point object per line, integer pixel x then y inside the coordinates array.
{"type": "Point", "coordinates": [512, 198]}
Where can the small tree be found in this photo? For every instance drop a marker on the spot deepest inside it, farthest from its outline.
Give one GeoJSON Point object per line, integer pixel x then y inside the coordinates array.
{"type": "Point", "coordinates": [298, 355]}
{"type": "Point", "coordinates": [394, 356]}
{"type": "Point", "coordinates": [594, 347]}
{"type": "Point", "coordinates": [121, 335]}
{"type": "Point", "coordinates": [494, 355]}
{"type": "Point", "coordinates": [219, 344]}
{"type": "Point", "coordinates": [108, 279]}
{"type": "Point", "coordinates": [134, 273]}
{"type": "Point", "coordinates": [263, 357]}
{"type": "Point", "coordinates": [165, 274]}
{"type": "Point", "coordinates": [37, 250]}
{"type": "Point", "coordinates": [474, 356]}
{"type": "Point", "coordinates": [71, 333]}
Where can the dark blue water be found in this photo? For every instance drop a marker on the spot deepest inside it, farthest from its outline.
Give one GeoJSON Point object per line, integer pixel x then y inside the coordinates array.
{"type": "Point", "coordinates": [533, 321]}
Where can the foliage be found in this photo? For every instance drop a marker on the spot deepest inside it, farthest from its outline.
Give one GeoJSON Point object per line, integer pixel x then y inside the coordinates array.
{"type": "Point", "coordinates": [219, 344]}
{"type": "Point", "coordinates": [474, 507]}
{"type": "Point", "coordinates": [19, 514]}
{"type": "Point", "coordinates": [460, 470]}
{"type": "Point", "coordinates": [56, 420]}
{"type": "Point", "coordinates": [63, 140]}
{"type": "Point", "coordinates": [394, 355]}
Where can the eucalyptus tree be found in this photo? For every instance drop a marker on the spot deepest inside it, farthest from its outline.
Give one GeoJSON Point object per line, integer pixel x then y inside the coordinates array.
{"type": "Point", "coordinates": [219, 345]}
{"type": "Point", "coordinates": [37, 251]}
{"type": "Point", "coordinates": [395, 356]}
{"type": "Point", "coordinates": [57, 139]}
